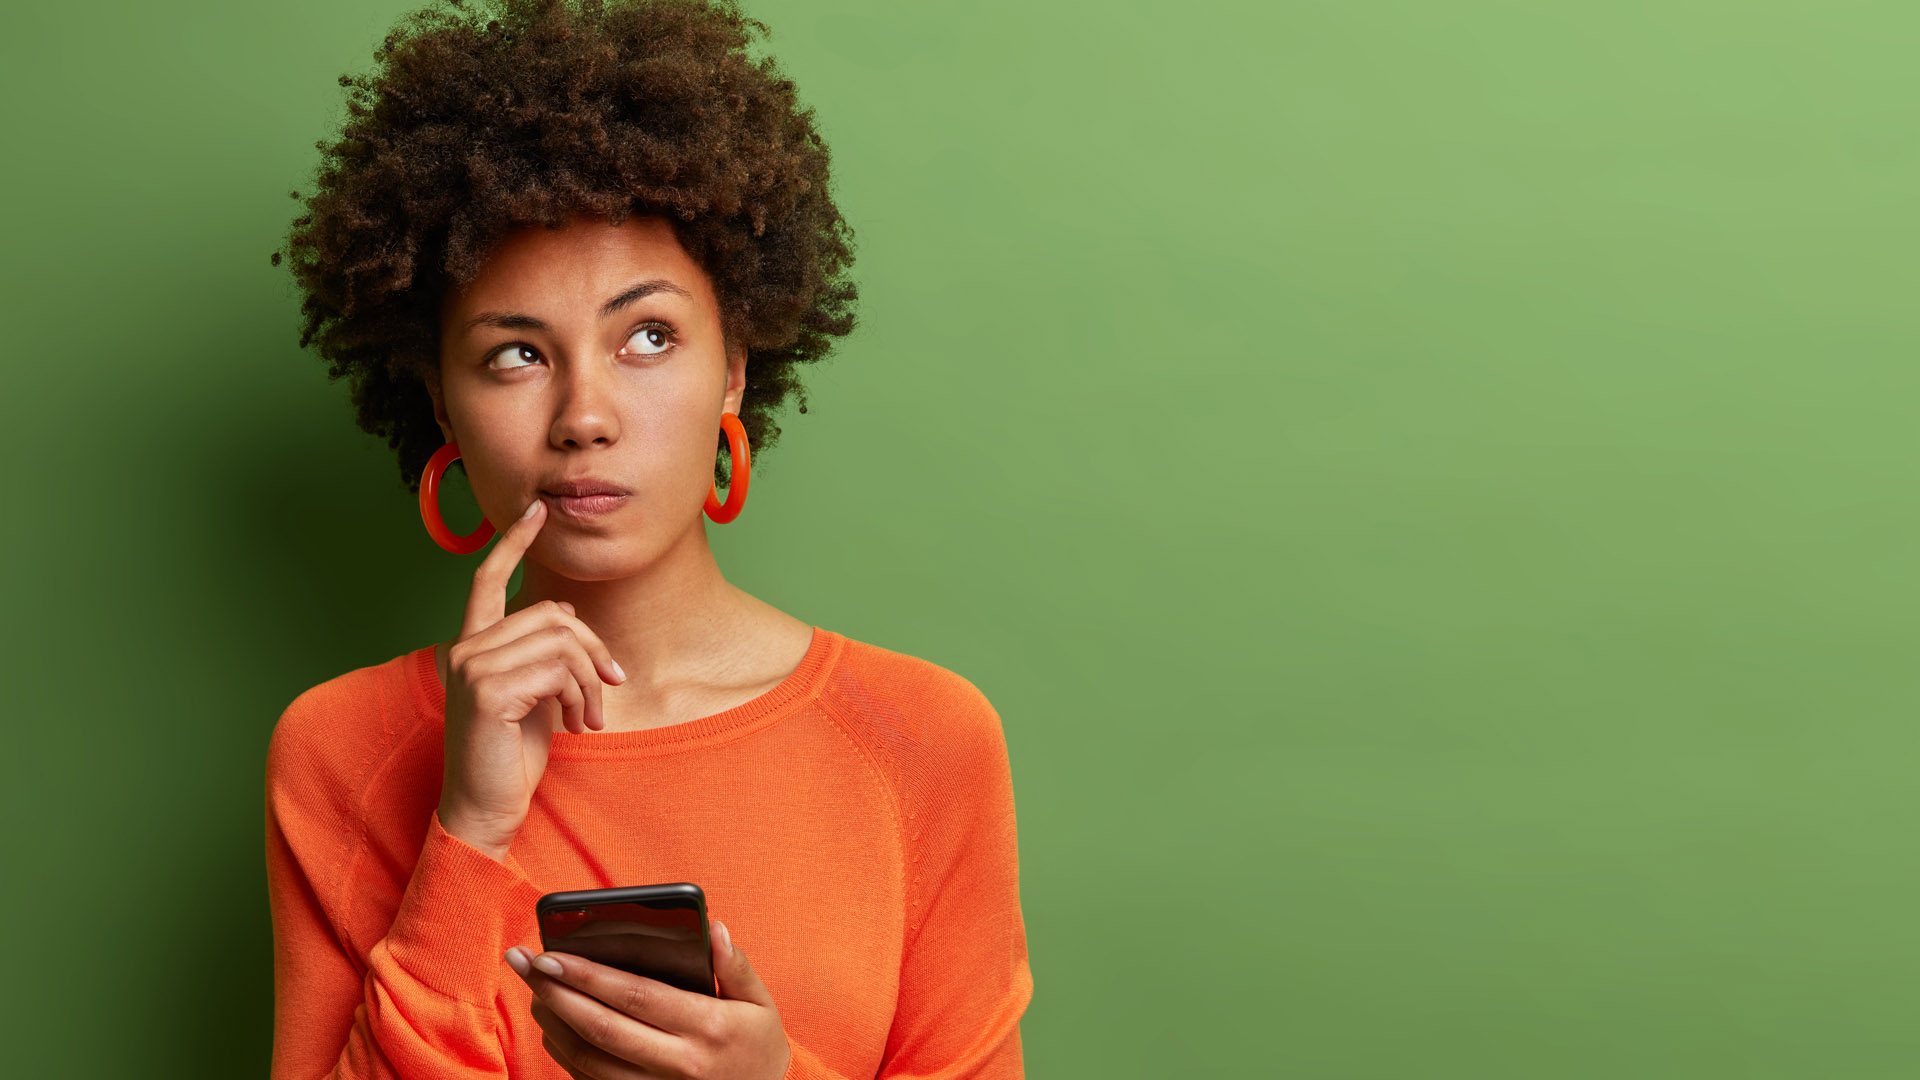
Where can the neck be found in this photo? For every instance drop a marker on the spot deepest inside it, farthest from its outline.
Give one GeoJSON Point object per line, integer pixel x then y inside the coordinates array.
{"type": "Point", "coordinates": [672, 620]}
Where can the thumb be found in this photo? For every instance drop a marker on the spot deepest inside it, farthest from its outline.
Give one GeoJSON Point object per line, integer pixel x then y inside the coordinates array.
{"type": "Point", "coordinates": [735, 975]}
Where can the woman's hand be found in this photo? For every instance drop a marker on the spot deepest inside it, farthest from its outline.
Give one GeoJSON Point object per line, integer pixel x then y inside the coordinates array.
{"type": "Point", "coordinates": [603, 1023]}
{"type": "Point", "coordinates": [506, 673]}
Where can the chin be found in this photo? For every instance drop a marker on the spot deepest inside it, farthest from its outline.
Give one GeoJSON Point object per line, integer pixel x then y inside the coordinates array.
{"type": "Point", "coordinates": [603, 557]}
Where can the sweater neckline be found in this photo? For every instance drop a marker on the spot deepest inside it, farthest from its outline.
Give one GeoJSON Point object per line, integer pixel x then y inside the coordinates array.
{"type": "Point", "coordinates": [800, 685]}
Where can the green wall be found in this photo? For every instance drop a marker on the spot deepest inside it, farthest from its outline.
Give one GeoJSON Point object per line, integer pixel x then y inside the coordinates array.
{"type": "Point", "coordinates": [1429, 488]}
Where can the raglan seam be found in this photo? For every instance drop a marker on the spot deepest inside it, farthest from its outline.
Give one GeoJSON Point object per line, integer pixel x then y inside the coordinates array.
{"type": "Point", "coordinates": [903, 876]}
{"type": "Point", "coordinates": [362, 829]}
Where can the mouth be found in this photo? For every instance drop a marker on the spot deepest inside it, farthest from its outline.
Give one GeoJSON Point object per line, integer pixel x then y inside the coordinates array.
{"type": "Point", "coordinates": [588, 505]}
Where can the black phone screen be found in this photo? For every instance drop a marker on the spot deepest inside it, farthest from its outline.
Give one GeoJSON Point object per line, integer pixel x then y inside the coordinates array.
{"type": "Point", "coordinates": [645, 930]}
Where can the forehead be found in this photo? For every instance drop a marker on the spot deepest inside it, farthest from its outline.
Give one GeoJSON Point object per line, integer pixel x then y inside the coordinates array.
{"type": "Point", "coordinates": [578, 266]}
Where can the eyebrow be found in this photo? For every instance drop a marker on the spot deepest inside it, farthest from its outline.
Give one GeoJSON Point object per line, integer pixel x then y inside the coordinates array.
{"type": "Point", "coordinates": [513, 320]}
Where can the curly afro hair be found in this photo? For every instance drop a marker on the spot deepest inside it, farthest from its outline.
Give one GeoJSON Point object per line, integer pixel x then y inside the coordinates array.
{"type": "Point", "coordinates": [479, 119]}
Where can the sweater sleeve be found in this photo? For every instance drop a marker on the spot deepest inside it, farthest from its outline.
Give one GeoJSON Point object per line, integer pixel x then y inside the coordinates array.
{"type": "Point", "coordinates": [964, 978]}
{"type": "Point", "coordinates": [422, 1004]}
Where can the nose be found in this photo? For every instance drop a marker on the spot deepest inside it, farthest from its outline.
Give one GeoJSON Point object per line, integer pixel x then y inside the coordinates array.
{"type": "Point", "coordinates": [587, 412]}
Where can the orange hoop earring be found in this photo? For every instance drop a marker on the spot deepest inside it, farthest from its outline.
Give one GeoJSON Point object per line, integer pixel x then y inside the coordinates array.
{"type": "Point", "coordinates": [742, 471]}
{"type": "Point", "coordinates": [430, 507]}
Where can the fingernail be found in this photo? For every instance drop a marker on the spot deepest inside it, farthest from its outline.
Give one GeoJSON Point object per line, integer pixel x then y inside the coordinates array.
{"type": "Point", "coordinates": [549, 965]}
{"type": "Point", "coordinates": [531, 507]}
{"type": "Point", "coordinates": [517, 960]}
{"type": "Point", "coordinates": [726, 939]}
{"type": "Point", "coordinates": [617, 669]}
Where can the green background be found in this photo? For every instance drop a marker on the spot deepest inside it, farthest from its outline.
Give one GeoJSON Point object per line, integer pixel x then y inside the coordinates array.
{"type": "Point", "coordinates": [1428, 487]}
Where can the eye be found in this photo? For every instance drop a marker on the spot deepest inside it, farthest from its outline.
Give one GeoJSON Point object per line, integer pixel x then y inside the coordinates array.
{"type": "Point", "coordinates": [515, 351]}
{"type": "Point", "coordinates": [651, 339]}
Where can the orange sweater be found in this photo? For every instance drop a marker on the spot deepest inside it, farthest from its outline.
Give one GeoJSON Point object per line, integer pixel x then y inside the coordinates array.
{"type": "Point", "coordinates": [853, 827]}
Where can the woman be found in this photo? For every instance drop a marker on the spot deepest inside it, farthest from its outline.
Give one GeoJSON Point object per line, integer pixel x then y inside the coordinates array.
{"type": "Point", "coordinates": [584, 249]}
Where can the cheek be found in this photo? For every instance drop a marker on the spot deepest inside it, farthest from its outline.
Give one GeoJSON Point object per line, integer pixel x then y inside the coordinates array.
{"type": "Point", "coordinates": [681, 426]}
{"type": "Point", "coordinates": [500, 454]}
{"type": "Point", "coordinates": [496, 429]}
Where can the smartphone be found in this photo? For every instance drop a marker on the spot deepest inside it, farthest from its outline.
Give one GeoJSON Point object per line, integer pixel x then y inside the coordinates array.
{"type": "Point", "coordinates": [659, 931]}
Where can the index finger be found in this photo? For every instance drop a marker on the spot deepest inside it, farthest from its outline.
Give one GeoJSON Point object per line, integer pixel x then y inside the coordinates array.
{"type": "Point", "coordinates": [668, 1008]}
{"type": "Point", "coordinates": [487, 603]}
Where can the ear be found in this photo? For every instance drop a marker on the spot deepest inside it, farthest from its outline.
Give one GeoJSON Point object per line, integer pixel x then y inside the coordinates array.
{"type": "Point", "coordinates": [434, 391]}
{"type": "Point", "coordinates": [736, 380]}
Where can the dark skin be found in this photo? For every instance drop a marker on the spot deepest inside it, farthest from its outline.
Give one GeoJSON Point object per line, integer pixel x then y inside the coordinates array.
{"type": "Point", "coordinates": [655, 1030]}
{"type": "Point", "coordinates": [595, 351]}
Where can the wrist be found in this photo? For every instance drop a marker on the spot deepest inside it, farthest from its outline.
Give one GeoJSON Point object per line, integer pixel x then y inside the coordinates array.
{"type": "Point", "coordinates": [490, 840]}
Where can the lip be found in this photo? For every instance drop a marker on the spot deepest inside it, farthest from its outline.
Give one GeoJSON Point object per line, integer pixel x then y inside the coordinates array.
{"type": "Point", "coordinates": [584, 486]}
{"type": "Point", "coordinates": [586, 506]}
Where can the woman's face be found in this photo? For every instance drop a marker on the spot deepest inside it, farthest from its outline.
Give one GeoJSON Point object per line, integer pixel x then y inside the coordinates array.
{"type": "Point", "coordinates": [590, 353]}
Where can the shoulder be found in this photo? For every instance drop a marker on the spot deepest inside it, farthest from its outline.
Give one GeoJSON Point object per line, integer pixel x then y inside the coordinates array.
{"type": "Point", "coordinates": [937, 741]}
{"type": "Point", "coordinates": [914, 715]}
{"type": "Point", "coordinates": [334, 735]}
